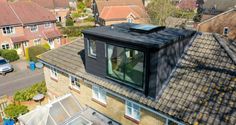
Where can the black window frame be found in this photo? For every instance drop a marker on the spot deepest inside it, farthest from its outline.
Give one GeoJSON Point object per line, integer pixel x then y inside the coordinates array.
{"type": "Point", "coordinates": [124, 82]}
{"type": "Point", "coordinates": [88, 48]}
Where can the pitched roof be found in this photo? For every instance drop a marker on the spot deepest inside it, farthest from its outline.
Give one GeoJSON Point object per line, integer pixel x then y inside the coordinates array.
{"type": "Point", "coordinates": [187, 4]}
{"type": "Point", "coordinates": [117, 12]}
{"type": "Point", "coordinates": [53, 4]}
{"type": "Point", "coordinates": [29, 12]}
{"type": "Point", "coordinates": [200, 89]}
{"type": "Point", "coordinates": [52, 33]}
{"type": "Point", "coordinates": [23, 12]}
{"type": "Point", "coordinates": [221, 5]}
{"type": "Point", "coordinates": [7, 16]}
{"type": "Point", "coordinates": [135, 6]}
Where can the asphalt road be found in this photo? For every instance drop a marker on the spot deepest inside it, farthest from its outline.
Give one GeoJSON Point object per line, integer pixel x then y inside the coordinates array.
{"type": "Point", "coordinates": [19, 79]}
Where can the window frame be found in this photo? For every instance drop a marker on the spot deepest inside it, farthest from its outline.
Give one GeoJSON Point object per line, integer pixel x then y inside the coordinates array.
{"type": "Point", "coordinates": [132, 110]}
{"type": "Point", "coordinates": [17, 45]}
{"type": "Point", "coordinates": [53, 73]}
{"type": "Point", "coordinates": [74, 85]}
{"type": "Point", "coordinates": [25, 43]}
{"type": "Point", "coordinates": [37, 41]}
{"type": "Point", "coordinates": [100, 93]}
{"type": "Point", "coordinates": [5, 46]}
{"type": "Point", "coordinates": [48, 25]}
{"type": "Point", "coordinates": [226, 32]}
{"type": "Point", "coordinates": [33, 26]}
{"type": "Point", "coordinates": [130, 20]}
{"type": "Point", "coordinates": [94, 55]}
{"type": "Point", "coordinates": [123, 81]}
{"type": "Point", "coordinates": [8, 33]}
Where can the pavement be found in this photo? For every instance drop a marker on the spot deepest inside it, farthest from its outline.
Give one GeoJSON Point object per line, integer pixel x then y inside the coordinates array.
{"type": "Point", "coordinates": [20, 78]}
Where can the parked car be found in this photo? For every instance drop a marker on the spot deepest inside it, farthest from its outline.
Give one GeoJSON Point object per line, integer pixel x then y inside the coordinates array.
{"type": "Point", "coordinates": [5, 67]}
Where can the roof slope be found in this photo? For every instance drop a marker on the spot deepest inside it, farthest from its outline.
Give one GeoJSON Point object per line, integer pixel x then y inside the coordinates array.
{"type": "Point", "coordinates": [53, 4]}
{"type": "Point", "coordinates": [23, 12]}
{"type": "Point", "coordinates": [30, 12]}
{"type": "Point", "coordinates": [201, 89]}
{"type": "Point", "coordinates": [7, 16]}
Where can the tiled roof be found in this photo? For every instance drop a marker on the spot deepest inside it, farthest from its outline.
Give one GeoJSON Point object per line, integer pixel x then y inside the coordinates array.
{"type": "Point", "coordinates": [135, 5]}
{"type": "Point", "coordinates": [187, 4]}
{"type": "Point", "coordinates": [117, 12]}
{"type": "Point", "coordinates": [17, 39]}
{"type": "Point", "coordinates": [52, 33]}
{"type": "Point", "coordinates": [53, 4]}
{"type": "Point", "coordinates": [221, 5]}
{"type": "Point", "coordinates": [201, 89]}
{"type": "Point", "coordinates": [23, 12]}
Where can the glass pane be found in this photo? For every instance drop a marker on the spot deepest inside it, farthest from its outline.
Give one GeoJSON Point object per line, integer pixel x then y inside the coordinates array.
{"type": "Point", "coordinates": [58, 113]}
{"type": "Point", "coordinates": [116, 61]}
{"type": "Point", "coordinates": [134, 67]}
{"type": "Point", "coordinates": [92, 47]}
{"type": "Point", "coordinates": [129, 111]}
{"type": "Point", "coordinates": [136, 114]}
{"type": "Point", "coordinates": [136, 107]}
{"type": "Point", "coordinates": [71, 106]}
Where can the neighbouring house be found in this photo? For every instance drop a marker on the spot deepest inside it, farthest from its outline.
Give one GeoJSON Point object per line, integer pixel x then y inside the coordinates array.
{"type": "Point", "coordinates": [24, 24]}
{"type": "Point", "coordinates": [147, 75]}
{"type": "Point", "coordinates": [215, 7]}
{"type": "Point", "coordinates": [73, 4]}
{"type": "Point", "coordinates": [187, 4]}
{"type": "Point", "coordinates": [60, 8]}
{"type": "Point", "coordinates": [107, 12]}
{"type": "Point", "coordinates": [3, 105]}
{"type": "Point", "coordinates": [223, 23]}
{"type": "Point", "coordinates": [65, 110]}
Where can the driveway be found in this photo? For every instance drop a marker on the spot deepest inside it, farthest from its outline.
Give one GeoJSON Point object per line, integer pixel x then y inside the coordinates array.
{"type": "Point", "coordinates": [19, 79]}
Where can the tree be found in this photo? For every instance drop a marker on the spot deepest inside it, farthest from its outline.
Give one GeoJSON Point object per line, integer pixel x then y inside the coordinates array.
{"type": "Point", "coordinates": [198, 16]}
{"type": "Point", "coordinates": [13, 111]}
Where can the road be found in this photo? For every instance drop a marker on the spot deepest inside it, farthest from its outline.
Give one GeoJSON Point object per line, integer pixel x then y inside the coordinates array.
{"type": "Point", "coordinates": [19, 79]}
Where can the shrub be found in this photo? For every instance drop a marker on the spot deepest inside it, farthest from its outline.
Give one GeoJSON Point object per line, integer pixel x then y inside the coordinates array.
{"type": "Point", "coordinates": [28, 93]}
{"type": "Point", "coordinates": [10, 55]}
{"type": "Point", "coordinates": [69, 22]}
{"type": "Point", "coordinates": [46, 46]}
{"type": "Point", "coordinates": [90, 19]}
{"type": "Point", "coordinates": [34, 51]}
{"type": "Point", "coordinates": [74, 31]}
{"type": "Point", "coordinates": [13, 110]}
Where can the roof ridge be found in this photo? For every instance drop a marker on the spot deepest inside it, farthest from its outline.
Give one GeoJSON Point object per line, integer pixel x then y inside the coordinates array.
{"type": "Point", "coordinates": [222, 42]}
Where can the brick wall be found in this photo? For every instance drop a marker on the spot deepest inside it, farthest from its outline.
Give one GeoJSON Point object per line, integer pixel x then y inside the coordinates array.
{"type": "Point", "coordinates": [114, 108]}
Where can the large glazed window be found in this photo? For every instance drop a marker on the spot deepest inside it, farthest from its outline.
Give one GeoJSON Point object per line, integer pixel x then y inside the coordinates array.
{"type": "Point", "coordinates": [92, 48]}
{"type": "Point", "coordinates": [126, 65]}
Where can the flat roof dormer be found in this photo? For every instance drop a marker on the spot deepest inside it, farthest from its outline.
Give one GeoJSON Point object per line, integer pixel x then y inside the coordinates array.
{"type": "Point", "coordinates": [132, 54]}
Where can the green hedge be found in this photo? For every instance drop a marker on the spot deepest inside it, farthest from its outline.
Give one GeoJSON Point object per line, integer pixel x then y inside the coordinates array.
{"type": "Point", "coordinates": [74, 31]}
{"type": "Point", "coordinates": [10, 55]}
{"type": "Point", "coordinates": [34, 51]}
{"type": "Point", "coordinates": [13, 111]}
{"type": "Point", "coordinates": [28, 93]}
{"type": "Point", "coordinates": [69, 22]}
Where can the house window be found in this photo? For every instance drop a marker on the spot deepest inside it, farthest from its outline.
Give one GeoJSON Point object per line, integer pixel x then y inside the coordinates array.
{"type": "Point", "coordinates": [59, 19]}
{"type": "Point", "coordinates": [37, 41]}
{"type": "Point", "coordinates": [132, 110]}
{"type": "Point", "coordinates": [59, 40]}
{"type": "Point", "coordinates": [92, 48]}
{"type": "Point", "coordinates": [8, 30]}
{"type": "Point", "coordinates": [17, 45]}
{"type": "Point", "coordinates": [26, 44]}
{"type": "Point", "coordinates": [5, 46]}
{"type": "Point", "coordinates": [126, 65]}
{"type": "Point", "coordinates": [99, 94]}
{"type": "Point", "coordinates": [33, 28]}
{"type": "Point", "coordinates": [53, 72]}
{"type": "Point", "coordinates": [74, 82]}
{"type": "Point", "coordinates": [130, 20]}
{"type": "Point", "coordinates": [226, 31]}
{"type": "Point", "coordinates": [48, 25]}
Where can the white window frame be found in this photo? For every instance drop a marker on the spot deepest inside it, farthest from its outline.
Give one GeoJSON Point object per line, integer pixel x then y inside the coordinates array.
{"type": "Point", "coordinates": [10, 31]}
{"type": "Point", "coordinates": [37, 41]}
{"type": "Point", "coordinates": [53, 73]}
{"type": "Point", "coordinates": [74, 82]}
{"type": "Point", "coordinates": [100, 95]}
{"type": "Point", "coordinates": [133, 110]}
{"type": "Point", "coordinates": [5, 47]}
{"type": "Point", "coordinates": [17, 45]}
{"type": "Point", "coordinates": [25, 44]}
{"type": "Point", "coordinates": [48, 25]}
{"type": "Point", "coordinates": [33, 28]}
{"type": "Point", "coordinates": [226, 28]}
{"type": "Point", "coordinates": [90, 50]}
{"type": "Point", "coordinates": [130, 20]}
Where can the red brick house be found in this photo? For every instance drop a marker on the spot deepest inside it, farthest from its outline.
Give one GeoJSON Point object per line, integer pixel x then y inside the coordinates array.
{"type": "Point", "coordinates": [107, 12]}
{"type": "Point", "coordinates": [25, 24]}
{"type": "Point", "coordinates": [60, 8]}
